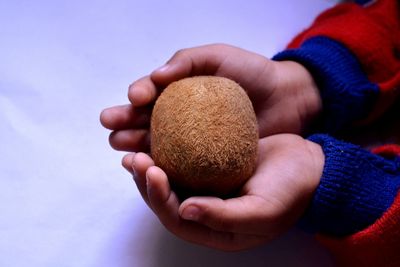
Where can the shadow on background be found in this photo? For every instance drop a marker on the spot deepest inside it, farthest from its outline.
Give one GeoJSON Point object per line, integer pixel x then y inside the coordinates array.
{"type": "Point", "coordinates": [149, 244]}
{"type": "Point", "coordinates": [292, 249]}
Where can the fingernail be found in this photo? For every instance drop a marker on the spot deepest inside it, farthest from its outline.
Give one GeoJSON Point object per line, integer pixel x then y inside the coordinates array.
{"type": "Point", "coordinates": [148, 183]}
{"type": "Point", "coordinates": [191, 213]}
{"type": "Point", "coordinates": [162, 68]}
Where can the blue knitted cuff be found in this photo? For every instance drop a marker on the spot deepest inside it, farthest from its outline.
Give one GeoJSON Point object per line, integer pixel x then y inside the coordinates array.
{"type": "Point", "coordinates": [363, 2]}
{"type": "Point", "coordinates": [356, 188]}
{"type": "Point", "coordinates": [346, 93]}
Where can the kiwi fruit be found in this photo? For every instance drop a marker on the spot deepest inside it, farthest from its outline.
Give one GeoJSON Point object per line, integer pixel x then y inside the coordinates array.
{"type": "Point", "coordinates": [204, 135]}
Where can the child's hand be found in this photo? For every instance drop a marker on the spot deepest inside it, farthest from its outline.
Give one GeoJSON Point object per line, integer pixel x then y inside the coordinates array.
{"type": "Point", "coordinates": [288, 172]}
{"type": "Point", "coordinates": [283, 94]}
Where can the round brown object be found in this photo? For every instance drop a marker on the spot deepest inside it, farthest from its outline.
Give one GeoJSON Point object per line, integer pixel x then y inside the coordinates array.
{"type": "Point", "coordinates": [204, 135]}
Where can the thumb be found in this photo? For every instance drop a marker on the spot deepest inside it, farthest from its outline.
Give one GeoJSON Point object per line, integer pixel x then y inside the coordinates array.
{"type": "Point", "coordinates": [247, 214]}
{"type": "Point", "coordinates": [201, 60]}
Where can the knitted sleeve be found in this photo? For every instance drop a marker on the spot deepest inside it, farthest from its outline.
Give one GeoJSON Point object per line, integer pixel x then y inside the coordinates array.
{"type": "Point", "coordinates": [353, 53]}
{"type": "Point", "coordinates": [355, 210]}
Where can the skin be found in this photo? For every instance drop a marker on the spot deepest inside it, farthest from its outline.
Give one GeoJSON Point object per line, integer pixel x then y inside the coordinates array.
{"type": "Point", "coordinates": [286, 101]}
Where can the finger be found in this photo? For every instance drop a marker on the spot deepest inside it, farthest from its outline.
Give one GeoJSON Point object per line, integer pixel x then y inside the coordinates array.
{"type": "Point", "coordinates": [165, 204]}
{"type": "Point", "coordinates": [125, 116]}
{"type": "Point", "coordinates": [272, 200]}
{"type": "Point", "coordinates": [133, 140]}
{"type": "Point", "coordinates": [127, 161]}
{"type": "Point", "coordinates": [163, 201]}
{"type": "Point", "coordinates": [202, 60]}
{"type": "Point", "coordinates": [142, 92]}
{"type": "Point", "coordinates": [139, 164]}
{"type": "Point", "coordinates": [244, 215]}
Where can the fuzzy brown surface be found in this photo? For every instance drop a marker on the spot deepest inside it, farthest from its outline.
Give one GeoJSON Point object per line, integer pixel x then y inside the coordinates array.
{"type": "Point", "coordinates": [204, 135]}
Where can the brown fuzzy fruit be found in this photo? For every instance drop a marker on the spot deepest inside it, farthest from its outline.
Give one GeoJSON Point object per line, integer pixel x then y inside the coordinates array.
{"type": "Point", "coordinates": [204, 135]}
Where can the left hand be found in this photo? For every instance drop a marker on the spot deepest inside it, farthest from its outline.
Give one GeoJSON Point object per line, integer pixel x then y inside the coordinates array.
{"type": "Point", "coordinates": [284, 95]}
{"type": "Point", "coordinates": [274, 198]}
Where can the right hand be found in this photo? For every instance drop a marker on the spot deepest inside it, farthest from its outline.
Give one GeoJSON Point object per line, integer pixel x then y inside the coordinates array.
{"type": "Point", "coordinates": [270, 202]}
{"type": "Point", "coordinates": [284, 95]}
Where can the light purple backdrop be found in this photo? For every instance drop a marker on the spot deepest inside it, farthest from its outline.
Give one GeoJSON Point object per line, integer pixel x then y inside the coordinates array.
{"type": "Point", "coordinates": [64, 199]}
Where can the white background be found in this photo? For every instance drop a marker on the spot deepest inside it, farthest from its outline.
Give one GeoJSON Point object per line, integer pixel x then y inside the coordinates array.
{"type": "Point", "coordinates": [64, 198]}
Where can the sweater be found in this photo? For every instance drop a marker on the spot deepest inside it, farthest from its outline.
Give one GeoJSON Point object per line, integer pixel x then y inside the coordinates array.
{"type": "Point", "coordinates": [353, 52]}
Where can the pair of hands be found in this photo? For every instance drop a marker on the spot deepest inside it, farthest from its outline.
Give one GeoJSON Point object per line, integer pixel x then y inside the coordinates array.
{"type": "Point", "coordinates": [286, 100]}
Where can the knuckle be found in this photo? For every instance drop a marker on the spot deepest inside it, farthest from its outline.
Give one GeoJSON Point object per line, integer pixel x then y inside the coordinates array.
{"type": "Point", "coordinates": [181, 53]}
{"type": "Point", "coordinates": [220, 45]}
{"type": "Point", "coordinates": [131, 91]}
{"type": "Point", "coordinates": [219, 222]}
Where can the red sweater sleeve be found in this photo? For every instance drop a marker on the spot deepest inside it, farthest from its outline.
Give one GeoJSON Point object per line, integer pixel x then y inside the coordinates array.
{"type": "Point", "coordinates": [378, 245]}
{"type": "Point", "coordinates": [372, 34]}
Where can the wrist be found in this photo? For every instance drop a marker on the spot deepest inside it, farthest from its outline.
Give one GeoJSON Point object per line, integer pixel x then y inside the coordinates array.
{"type": "Point", "coordinates": [347, 94]}
{"type": "Point", "coordinates": [302, 88]}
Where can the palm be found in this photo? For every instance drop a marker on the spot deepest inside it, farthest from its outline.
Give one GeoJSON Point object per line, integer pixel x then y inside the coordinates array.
{"type": "Point", "coordinates": [272, 200]}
